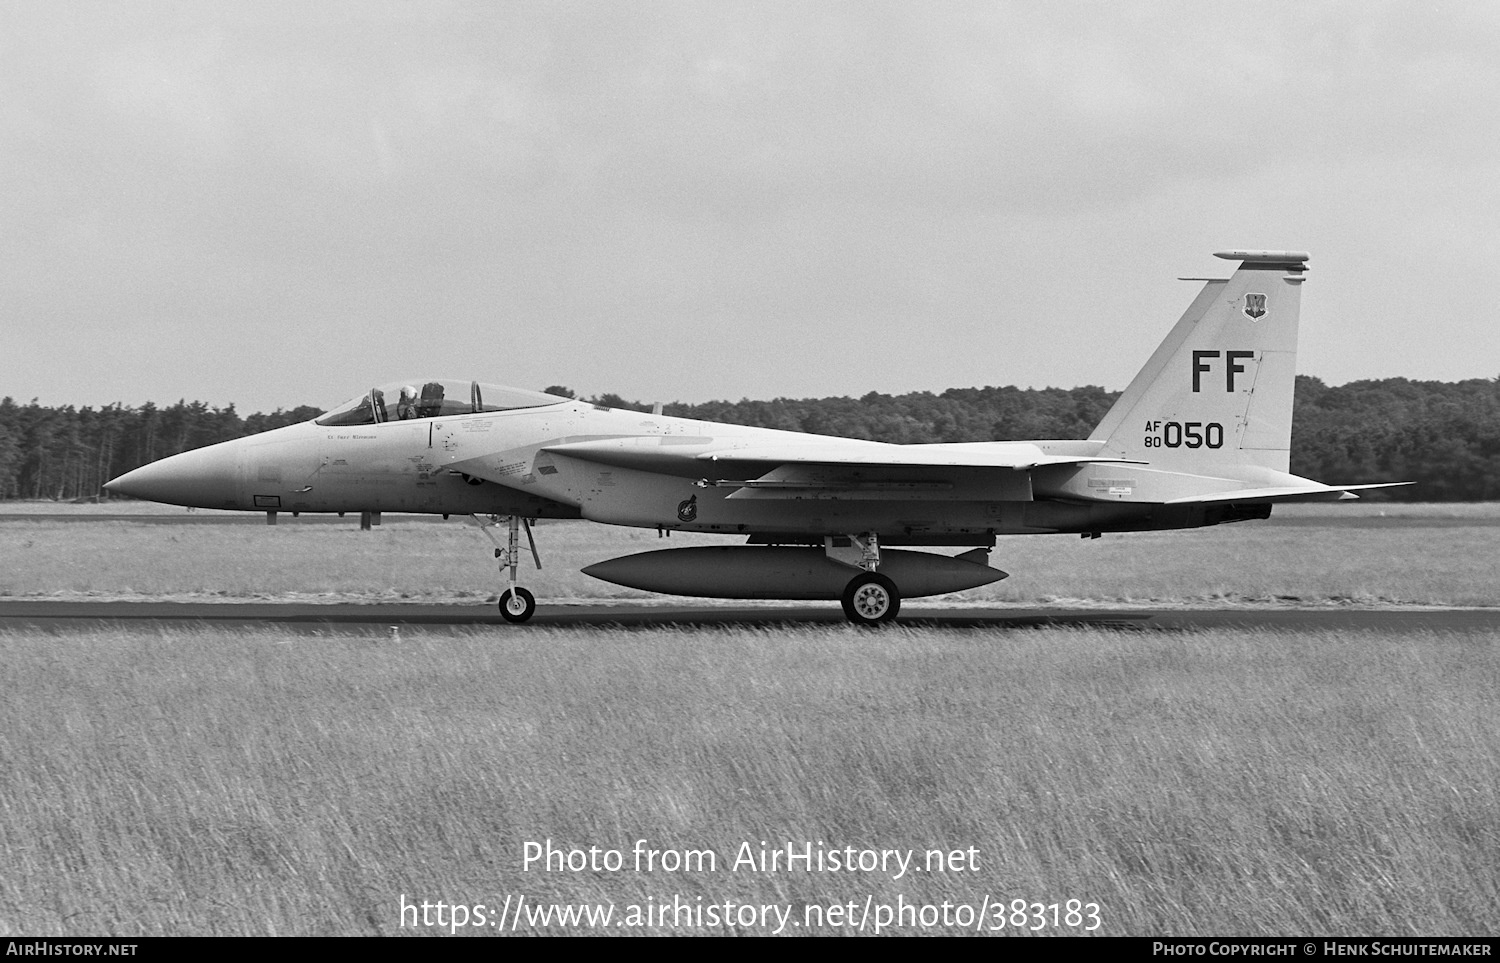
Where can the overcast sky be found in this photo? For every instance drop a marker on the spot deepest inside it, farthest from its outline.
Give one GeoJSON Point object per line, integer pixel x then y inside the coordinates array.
{"type": "Point", "coordinates": [271, 204]}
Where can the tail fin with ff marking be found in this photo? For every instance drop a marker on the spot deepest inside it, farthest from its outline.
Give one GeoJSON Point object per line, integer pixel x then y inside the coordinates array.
{"type": "Point", "coordinates": [1217, 394]}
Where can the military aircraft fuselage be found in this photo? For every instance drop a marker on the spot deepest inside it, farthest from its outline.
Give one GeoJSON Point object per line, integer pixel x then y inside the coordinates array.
{"type": "Point", "coordinates": [570, 459]}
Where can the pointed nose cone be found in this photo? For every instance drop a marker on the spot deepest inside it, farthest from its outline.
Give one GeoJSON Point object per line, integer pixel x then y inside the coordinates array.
{"type": "Point", "coordinates": [203, 478]}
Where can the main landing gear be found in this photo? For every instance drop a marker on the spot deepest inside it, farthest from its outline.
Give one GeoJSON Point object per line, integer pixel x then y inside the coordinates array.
{"type": "Point", "coordinates": [870, 598]}
{"type": "Point", "coordinates": [516, 603]}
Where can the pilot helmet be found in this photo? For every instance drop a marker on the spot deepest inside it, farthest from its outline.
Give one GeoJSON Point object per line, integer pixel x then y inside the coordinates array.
{"type": "Point", "coordinates": [407, 391]}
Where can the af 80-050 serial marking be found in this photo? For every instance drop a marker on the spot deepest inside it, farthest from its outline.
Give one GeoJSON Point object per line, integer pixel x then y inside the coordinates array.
{"type": "Point", "coordinates": [819, 517]}
{"type": "Point", "coordinates": [1176, 434]}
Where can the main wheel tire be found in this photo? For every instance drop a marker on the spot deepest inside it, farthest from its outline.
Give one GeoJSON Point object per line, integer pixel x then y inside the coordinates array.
{"type": "Point", "coordinates": [518, 607]}
{"type": "Point", "coordinates": [870, 599]}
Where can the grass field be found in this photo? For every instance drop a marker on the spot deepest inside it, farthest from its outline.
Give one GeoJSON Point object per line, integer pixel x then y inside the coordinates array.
{"type": "Point", "coordinates": [162, 782]}
{"type": "Point", "coordinates": [1364, 554]}
{"type": "Point", "coordinates": [204, 781]}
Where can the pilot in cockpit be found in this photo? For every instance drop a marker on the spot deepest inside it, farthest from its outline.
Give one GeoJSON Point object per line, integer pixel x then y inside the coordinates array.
{"type": "Point", "coordinates": [407, 406]}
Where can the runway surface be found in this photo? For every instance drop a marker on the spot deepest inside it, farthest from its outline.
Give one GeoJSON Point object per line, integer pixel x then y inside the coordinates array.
{"type": "Point", "coordinates": [360, 618]}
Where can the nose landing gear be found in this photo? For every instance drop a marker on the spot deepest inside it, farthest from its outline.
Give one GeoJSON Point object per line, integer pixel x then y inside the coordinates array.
{"type": "Point", "coordinates": [516, 603]}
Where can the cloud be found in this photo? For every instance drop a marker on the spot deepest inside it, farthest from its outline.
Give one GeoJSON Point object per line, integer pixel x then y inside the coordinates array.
{"type": "Point", "coordinates": [367, 170]}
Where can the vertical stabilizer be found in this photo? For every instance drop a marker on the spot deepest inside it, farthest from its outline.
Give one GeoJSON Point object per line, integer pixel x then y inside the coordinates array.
{"type": "Point", "coordinates": [1217, 394]}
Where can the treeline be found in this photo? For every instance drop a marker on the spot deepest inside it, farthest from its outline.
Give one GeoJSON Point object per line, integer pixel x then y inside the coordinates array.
{"type": "Point", "coordinates": [1444, 436]}
{"type": "Point", "coordinates": [69, 453]}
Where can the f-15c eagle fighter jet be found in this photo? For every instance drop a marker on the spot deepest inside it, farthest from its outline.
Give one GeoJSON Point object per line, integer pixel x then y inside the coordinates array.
{"type": "Point", "coordinates": [1202, 436]}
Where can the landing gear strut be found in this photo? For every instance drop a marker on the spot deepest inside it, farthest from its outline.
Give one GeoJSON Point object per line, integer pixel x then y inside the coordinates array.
{"type": "Point", "coordinates": [870, 598]}
{"type": "Point", "coordinates": [516, 603]}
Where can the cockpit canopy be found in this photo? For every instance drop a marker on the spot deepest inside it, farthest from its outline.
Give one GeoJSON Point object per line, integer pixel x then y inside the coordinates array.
{"type": "Point", "coordinates": [400, 401]}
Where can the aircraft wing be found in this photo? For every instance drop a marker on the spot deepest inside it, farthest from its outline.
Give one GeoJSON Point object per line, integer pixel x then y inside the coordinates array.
{"type": "Point", "coordinates": [1016, 456]}
{"type": "Point", "coordinates": [1312, 492]}
{"type": "Point", "coordinates": [696, 456]}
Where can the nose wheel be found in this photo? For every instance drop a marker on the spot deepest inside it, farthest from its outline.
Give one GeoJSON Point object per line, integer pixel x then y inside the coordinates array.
{"type": "Point", "coordinates": [517, 605]}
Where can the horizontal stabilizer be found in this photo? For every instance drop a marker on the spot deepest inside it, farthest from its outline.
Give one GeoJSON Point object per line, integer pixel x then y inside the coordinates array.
{"type": "Point", "coordinates": [1286, 493]}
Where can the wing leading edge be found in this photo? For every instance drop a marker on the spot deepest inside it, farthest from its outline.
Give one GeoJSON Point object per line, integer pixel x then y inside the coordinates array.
{"type": "Point", "coordinates": [692, 456]}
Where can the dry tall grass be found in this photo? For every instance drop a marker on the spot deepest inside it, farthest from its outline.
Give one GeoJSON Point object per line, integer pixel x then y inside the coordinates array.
{"type": "Point", "coordinates": [1189, 783]}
